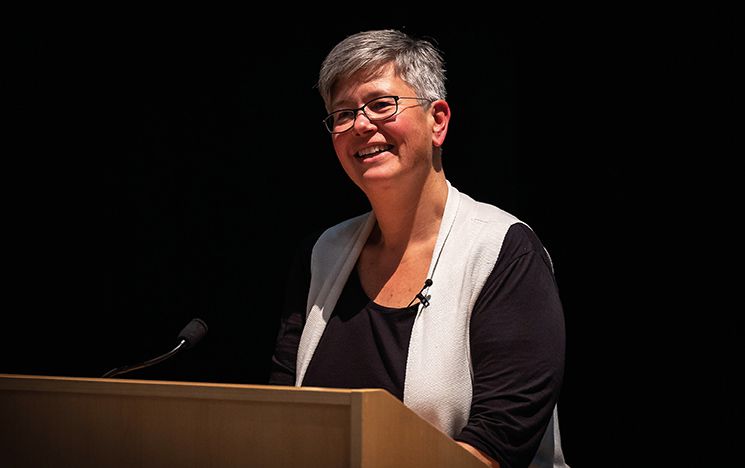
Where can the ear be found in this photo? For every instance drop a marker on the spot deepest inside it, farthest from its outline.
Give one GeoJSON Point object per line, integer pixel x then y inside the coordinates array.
{"type": "Point", "coordinates": [440, 111]}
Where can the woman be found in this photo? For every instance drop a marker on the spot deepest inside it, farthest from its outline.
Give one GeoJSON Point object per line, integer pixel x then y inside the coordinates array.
{"type": "Point", "coordinates": [447, 303]}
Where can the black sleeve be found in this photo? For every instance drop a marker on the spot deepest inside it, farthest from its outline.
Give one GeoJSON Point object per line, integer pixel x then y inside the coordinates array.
{"type": "Point", "coordinates": [517, 349]}
{"type": "Point", "coordinates": [291, 325]}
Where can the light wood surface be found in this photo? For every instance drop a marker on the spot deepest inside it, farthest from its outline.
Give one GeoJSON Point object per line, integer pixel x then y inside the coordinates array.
{"type": "Point", "coordinates": [84, 422]}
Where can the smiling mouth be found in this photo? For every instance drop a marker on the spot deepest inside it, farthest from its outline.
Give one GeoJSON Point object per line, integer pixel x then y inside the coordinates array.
{"type": "Point", "coordinates": [371, 151]}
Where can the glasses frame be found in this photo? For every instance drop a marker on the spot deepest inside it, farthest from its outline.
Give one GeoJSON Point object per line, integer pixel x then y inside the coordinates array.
{"type": "Point", "coordinates": [362, 109]}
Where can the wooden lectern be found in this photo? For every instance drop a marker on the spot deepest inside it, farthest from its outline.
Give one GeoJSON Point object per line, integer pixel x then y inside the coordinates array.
{"type": "Point", "coordinates": [81, 422]}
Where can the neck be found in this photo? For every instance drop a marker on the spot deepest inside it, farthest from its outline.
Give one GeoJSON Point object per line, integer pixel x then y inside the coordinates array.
{"type": "Point", "coordinates": [410, 214]}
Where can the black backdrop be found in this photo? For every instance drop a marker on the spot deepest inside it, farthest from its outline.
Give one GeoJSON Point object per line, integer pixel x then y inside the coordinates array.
{"type": "Point", "coordinates": [160, 171]}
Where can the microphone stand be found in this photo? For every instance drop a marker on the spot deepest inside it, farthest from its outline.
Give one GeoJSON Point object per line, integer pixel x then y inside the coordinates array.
{"type": "Point", "coordinates": [162, 357]}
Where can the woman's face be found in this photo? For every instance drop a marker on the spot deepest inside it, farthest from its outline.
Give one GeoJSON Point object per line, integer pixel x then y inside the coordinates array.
{"type": "Point", "coordinates": [380, 153]}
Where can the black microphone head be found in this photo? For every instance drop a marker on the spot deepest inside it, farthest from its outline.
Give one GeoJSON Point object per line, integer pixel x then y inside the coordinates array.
{"type": "Point", "coordinates": [428, 283]}
{"type": "Point", "coordinates": [193, 332]}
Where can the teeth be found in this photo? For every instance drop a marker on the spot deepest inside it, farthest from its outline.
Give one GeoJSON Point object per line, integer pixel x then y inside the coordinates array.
{"type": "Point", "coordinates": [372, 149]}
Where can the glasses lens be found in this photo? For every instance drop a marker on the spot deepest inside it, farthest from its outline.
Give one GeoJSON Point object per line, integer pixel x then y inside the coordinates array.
{"type": "Point", "coordinates": [340, 121]}
{"type": "Point", "coordinates": [381, 108]}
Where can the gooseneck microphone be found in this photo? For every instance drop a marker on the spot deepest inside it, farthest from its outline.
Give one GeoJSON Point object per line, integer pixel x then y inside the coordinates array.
{"type": "Point", "coordinates": [191, 334]}
{"type": "Point", "coordinates": [420, 295]}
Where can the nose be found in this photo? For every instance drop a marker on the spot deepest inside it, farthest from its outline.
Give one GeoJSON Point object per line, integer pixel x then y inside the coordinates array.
{"type": "Point", "coordinates": [362, 124]}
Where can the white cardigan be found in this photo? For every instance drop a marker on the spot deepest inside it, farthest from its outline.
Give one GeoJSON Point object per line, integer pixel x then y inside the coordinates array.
{"type": "Point", "coordinates": [438, 386]}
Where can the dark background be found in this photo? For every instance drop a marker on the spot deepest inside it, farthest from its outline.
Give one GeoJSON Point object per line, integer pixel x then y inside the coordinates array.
{"type": "Point", "coordinates": [162, 170]}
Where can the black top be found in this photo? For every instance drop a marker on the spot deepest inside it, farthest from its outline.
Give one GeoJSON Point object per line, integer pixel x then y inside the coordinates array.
{"type": "Point", "coordinates": [517, 347]}
{"type": "Point", "coordinates": [374, 340]}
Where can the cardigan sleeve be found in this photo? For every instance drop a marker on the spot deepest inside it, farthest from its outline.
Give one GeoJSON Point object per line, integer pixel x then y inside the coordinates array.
{"type": "Point", "coordinates": [517, 348]}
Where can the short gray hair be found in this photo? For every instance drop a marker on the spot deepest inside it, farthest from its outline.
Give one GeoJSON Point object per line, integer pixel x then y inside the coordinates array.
{"type": "Point", "coordinates": [416, 61]}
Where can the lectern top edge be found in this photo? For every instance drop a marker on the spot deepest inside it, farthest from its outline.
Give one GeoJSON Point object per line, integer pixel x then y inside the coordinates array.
{"type": "Point", "coordinates": [133, 387]}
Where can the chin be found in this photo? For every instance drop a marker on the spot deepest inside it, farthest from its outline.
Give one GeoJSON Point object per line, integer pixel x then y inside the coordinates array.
{"type": "Point", "coordinates": [380, 178]}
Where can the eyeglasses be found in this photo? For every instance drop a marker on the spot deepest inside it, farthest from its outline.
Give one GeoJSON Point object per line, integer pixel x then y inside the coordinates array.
{"type": "Point", "coordinates": [380, 108]}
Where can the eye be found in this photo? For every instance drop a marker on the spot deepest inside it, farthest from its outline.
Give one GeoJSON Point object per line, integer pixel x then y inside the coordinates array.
{"type": "Point", "coordinates": [382, 106]}
{"type": "Point", "coordinates": [343, 116]}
